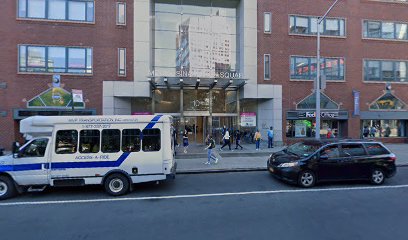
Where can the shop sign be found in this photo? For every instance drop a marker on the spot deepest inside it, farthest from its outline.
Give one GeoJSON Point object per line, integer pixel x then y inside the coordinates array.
{"type": "Point", "coordinates": [322, 114]}
{"type": "Point", "coordinates": [300, 129]}
{"type": "Point", "coordinates": [248, 119]}
{"type": "Point", "coordinates": [77, 96]}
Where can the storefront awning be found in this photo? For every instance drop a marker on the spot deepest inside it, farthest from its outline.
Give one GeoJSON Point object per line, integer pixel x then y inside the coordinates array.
{"type": "Point", "coordinates": [191, 83]}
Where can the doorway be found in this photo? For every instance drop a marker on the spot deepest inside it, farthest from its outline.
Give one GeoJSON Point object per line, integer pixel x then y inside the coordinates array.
{"type": "Point", "coordinates": [196, 128]}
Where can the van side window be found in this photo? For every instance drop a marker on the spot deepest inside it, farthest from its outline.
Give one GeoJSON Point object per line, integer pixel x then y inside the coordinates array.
{"type": "Point", "coordinates": [375, 149]}
{"type": "Point", "coordinates": [89, 141]}
{"type": "Point", "coordinates": [35, 149]}
{"type": "Point", "coordinates": [331, 151]}
{"type": "Point", "coordinates": [151, 140]}
{"type": "Point", "coordinates": [131, 140]}
{"type": "Point", "coordinates": [110, 140]}
{"type": "Point", "coordinates": [66, 142]}
{"type": "Point", "coordinates": [353, 150]}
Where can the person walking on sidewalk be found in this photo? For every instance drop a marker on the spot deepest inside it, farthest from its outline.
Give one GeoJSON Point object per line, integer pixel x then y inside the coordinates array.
{"type": "Point", "coordinates": [210, 146]}
{"type": "Point", "coordinates": [226, 139]}
{"type": "Point", "coordinates": [270, 137]}
{"type": "Point", "coordinates": [257, 139]}
{"type": "Point", "coordinates": [238, 140]}
{"type": "Point", "coordinates": [185, 140]}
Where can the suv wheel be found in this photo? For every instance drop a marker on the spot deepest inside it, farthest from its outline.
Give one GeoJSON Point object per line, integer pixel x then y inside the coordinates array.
{"type": "Point", "coordinates": [377, 176]}
{"type": "Point", "coordinates": [307, 179]}
{"type": "Point", "coordinates": [7, 188]}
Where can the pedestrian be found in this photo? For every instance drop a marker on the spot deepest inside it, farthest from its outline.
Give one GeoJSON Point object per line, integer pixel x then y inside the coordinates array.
{"type": "Point", "coordinates": [373, 130]}
{"type": "Point", "coordinates": [270, 137]}
{"type": "Point", "coordinates": [210, 146]}
{"type": "Point", "coordinates": [387, 132]}
{"type": "Point", "coordinates": [257, 138]}
{"type": "Point", "coordinates": [185, 140]}
{"type": "Point", "coordinates": [226, 139]}
{"type": "Point", "coordinates": [329, 133]}
{"type": "Point", "coordinates": [366, 131]}
{"type": "Point", "coordinates": [175, 137]}
{"type": "Point", "coordinates": [238, 140]}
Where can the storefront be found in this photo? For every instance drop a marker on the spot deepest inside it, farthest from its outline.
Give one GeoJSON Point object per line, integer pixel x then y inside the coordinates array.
{"type": "Point", "coordinates": [301, 123]}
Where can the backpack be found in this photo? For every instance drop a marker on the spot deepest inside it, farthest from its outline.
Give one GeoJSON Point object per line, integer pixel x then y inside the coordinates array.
{"type": "Point", "coordinates": [212, 143]}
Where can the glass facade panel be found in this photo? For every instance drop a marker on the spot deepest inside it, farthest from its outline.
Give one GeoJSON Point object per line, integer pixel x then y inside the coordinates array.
{"type": "Point", "coordinates": [56, 9]}
{"type": "Point", "coordinates": [401, 31]}
{"type": "Point", "coordinates": [36, 9]}
{"type": "Point", "coordinates": [56, 59]}
{"type": "Point", "coordinates": [195, 38]}
{"type": "Point", "coordinates": [387, 30]}
{"type": "Point", "coordinates": [196, 100]}
{"type": "Point", "coordinates": [77, 11]}
{"type": "Point", "coordinates": [167, 101]}
{"type": "Point", "coordinates": [384, 128]}
{"type": "Point", "coordinates": [36, 57]}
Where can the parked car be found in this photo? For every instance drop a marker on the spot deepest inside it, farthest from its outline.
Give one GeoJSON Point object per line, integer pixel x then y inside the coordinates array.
{"type": "Point", "coordinates": [308, 162]}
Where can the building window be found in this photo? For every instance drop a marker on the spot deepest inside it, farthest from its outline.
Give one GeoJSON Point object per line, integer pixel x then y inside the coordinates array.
{"type": "Point", "coordinates": [46, 59]}
{"type": "Point", "coordinates": [121, 13]}
{"type": "Point", "coordinates": [308, 26]}
{"type": "Point", "coordinates": [267, 22]}
{"type": "Point", "coordinates": [305, 68]}
{"type": "Point", "coordinates": [387, 102]}
{"type": "Point", "coordinates": [390, 71]}
{"type": "Point", "coordinates": [384, 128]}
{"type": "Point", "coordinates": [391, 1]}
{"type": "Point", "coordinates": [122, 62]}
{"type": "Point", "coordinates": [61, 10]}
{"type": "Point", "coordinates": [385, 30]}
{"type": "Point", "coordinates": [267, 66]}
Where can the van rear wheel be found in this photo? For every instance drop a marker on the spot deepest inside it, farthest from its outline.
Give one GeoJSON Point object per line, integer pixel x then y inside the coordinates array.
{"type": "Point", "coordinates": [7, 188]}
{"type": "Point", "coordinates": [117, 184]}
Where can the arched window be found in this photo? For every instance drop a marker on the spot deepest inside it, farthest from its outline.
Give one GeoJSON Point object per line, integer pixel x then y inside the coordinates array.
{"type": "Point", "coordinates": [310, 103]}
{"type": "Point", "coordinates": [388, 102]}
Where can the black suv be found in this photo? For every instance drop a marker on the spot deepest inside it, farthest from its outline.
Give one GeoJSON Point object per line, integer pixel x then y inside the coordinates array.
{"type": "Point", "coordinates": [311, 161]}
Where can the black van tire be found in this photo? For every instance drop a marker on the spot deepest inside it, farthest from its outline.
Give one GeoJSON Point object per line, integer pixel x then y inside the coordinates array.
{"type": "Point", "coordinates": [7, 188]}
{"type": "Point", "coordinates": [306, 179]}
{"type": "Point", "coordinates": [117, 184]}
{"type": "Point", "coordinates": [377, 176]}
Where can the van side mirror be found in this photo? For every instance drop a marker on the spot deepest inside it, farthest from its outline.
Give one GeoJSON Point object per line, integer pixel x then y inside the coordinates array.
{"type": "Point", "coordinates": [324, 157]}
{"type": "Point", "coordinates": [16, 155]}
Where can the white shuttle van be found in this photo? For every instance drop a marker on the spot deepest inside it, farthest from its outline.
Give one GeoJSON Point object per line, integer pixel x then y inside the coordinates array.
{"type": "Point", "coordinates": [115, 151]}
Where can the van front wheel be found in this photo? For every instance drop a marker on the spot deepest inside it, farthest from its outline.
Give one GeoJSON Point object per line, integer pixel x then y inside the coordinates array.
{"type": "Point", "coordinates": [7, 188]}
{"type": "Point", "coordinates": [117, 184]}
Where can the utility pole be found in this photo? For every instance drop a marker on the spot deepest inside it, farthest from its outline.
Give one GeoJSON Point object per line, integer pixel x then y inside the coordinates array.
{"type": "Point", "coordinates": [317, 88]}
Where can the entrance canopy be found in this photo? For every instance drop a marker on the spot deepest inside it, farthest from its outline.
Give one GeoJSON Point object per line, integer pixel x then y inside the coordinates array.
{"type": "Point", "coordinates": [193, 82]}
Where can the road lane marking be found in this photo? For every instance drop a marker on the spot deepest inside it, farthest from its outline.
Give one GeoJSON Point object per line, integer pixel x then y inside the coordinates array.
{"type": "Point", "coordinates": [202, 195]}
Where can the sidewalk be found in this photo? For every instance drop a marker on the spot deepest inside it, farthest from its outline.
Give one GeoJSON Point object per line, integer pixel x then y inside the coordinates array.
{"type": "Point", "coordinates": [247, 159]}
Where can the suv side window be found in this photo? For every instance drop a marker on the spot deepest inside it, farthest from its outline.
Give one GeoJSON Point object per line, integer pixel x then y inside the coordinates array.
{"type": "Point", "coordinates": [376, 149]}
{"type": "Point", "coordinates": [331, 151]}
{"type": "Point", "coordinates": [353, 150]}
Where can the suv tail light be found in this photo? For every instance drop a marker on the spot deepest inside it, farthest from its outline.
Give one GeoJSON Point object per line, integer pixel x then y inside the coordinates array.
{"type": "Point", "coordinates": [392, 158]}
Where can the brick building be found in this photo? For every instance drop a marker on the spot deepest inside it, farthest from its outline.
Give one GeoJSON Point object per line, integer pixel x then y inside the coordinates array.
{"type": "Point", "coordinates": [241, 63]}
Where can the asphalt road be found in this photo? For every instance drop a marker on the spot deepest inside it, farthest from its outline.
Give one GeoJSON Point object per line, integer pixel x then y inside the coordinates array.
{"type": "Point", "coordinates": [248, 205]}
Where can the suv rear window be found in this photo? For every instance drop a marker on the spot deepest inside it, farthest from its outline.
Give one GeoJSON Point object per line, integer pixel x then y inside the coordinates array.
{"type": "Point", "coordinates": [376, 149]}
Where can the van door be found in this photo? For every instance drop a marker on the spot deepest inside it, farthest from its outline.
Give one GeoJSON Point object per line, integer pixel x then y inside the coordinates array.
{"type": "Point", "coordinates": [31, 165]}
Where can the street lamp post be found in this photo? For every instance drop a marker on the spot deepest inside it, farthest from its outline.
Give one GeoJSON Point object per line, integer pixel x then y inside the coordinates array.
{"type": "Point", "coordinates": [317, 85]}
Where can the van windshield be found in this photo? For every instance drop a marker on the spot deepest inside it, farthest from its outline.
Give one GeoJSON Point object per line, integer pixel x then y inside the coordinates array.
{"type": "Point", "coordinates": [303, 148]}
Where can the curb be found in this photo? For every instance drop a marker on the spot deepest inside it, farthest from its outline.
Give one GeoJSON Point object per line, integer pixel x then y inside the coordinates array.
{"type": "Point", "coordinates": [227, 170]}
{"type": "Point", "coordinates": [226, 154]}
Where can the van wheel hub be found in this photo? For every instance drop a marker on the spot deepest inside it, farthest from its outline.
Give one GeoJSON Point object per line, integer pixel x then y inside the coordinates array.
{"type": "Point", "coordinates": [116, 185]}
{"type": "Point", "coordinates": [3, 188]}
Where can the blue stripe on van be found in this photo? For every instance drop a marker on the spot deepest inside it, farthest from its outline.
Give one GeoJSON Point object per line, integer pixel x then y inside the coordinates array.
{"type": "Point", "coordinates": [153, 122]}
{"type": "Point", "coordinates": [65, 165]}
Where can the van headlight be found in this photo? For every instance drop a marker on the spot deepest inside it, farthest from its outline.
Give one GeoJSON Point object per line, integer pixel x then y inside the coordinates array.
{"type": "Point", "coordinates": [291, 164]}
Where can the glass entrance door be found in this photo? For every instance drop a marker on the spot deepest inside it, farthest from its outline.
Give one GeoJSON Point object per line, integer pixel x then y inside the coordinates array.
{"type": "Point", "coordinates": [196, 128]}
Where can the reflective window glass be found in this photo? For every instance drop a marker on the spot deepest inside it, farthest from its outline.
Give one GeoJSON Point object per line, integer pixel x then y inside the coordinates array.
{"type": "Point", "coordinates": [22, 8]}
{"type": "Point", "coordinates": [387, 30]}
{"type": "Point", "coordinates": [401, 70]}
{"type": "Point", "coordinates": [267, 22]}
{"type": "Point", "coordinates": [36, 57]}
{"type": "Point", "coordinates": [90, 12]}
{"type": "Point", "coordinates": [302, 25]}
{"type": "Point", "coordinates": [374, 29]}
{"type": "Point", "coordinates": [36, 9]}
{"type": "Point", "coordinates": [375, 149]}
{"type": "Point", "coordinates": [372, 70]}
{"type": "Point", "coordinates": [267, 66]}
{"type": "Point", "coordinates": [76, 61]}
{"type": "Point", "coordinates": [121, 14]}
{"type": "Point", "coordinates": [352, 150]}
{"type": "Point", "coordinates": [167, 101]}
{"type": "Point", "coordinates": [56, 9]}
{"type": "Point", "coordinates": [77, 11]}
{"type": "Point", "coordinates": [401, 31]}
{"type": "Point", "coordinates": [387, 70]}
{"type": "Point", "coordinates": [56, 59]}
{"type": "Point", "coordinates": [122, 62]}
{"type": "Point", "coordinates": [332, 27]}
